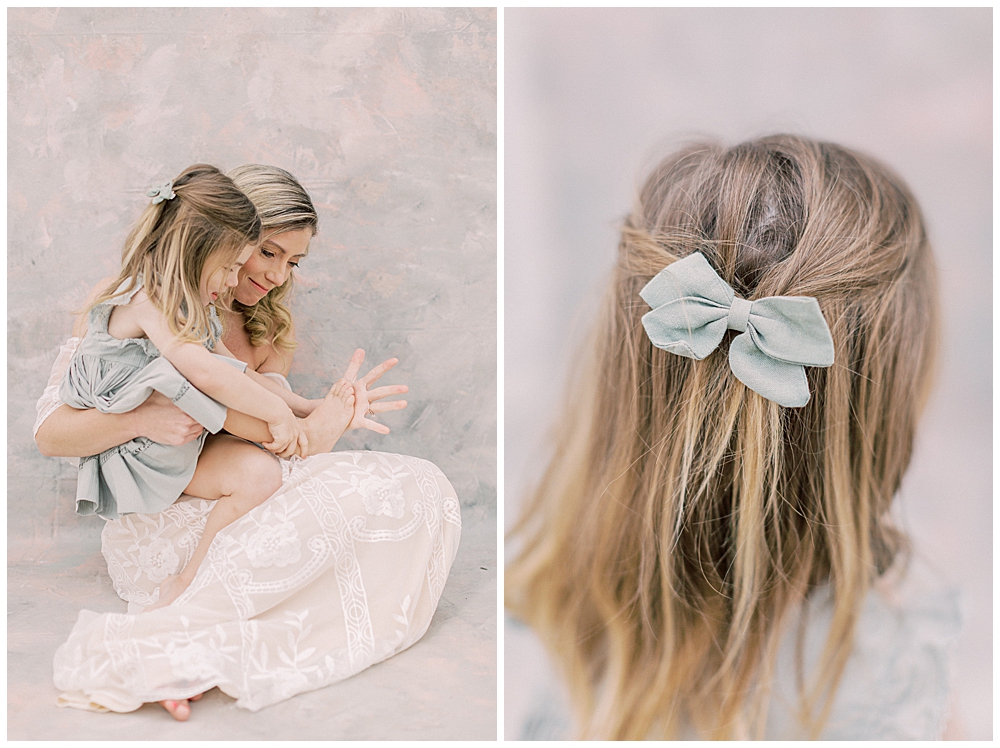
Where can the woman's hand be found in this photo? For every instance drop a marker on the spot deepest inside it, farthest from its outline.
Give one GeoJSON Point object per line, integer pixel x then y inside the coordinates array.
{"type": "Point", "coordinates": [159, 420]}
{"type": "Point", "coordinates": [365, 400]}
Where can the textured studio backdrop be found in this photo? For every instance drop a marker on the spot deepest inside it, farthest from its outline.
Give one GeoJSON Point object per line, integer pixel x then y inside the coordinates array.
{"type": "Point", "coordinates": [592, 97]}
{"type": "Point", "coordinates": [387, 117]}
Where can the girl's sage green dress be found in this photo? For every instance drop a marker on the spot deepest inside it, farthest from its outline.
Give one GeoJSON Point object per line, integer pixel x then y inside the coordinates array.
{"type": "Point", "coordinates": [116, 376]}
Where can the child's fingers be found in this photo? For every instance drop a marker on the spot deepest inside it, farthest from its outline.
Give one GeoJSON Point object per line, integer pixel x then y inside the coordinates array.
{"type": "Point", "coordinates": [280, 446]}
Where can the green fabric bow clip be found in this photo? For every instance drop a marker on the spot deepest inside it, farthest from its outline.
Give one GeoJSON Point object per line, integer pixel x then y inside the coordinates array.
{"type": "Point", "coordinates": [162, 192]}
{"type": "Point", "coordinates": [780, 335]}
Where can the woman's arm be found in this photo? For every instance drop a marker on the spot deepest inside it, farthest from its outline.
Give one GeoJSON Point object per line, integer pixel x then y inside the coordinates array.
{"type": "Point", "coordinates": [278, 362]}
{"type": "Point", "coordinates": [69, 432]}
{"type": "Point", "coordinates": [62, 431]}
{"type": "Point", "coordinates": [300, 406]}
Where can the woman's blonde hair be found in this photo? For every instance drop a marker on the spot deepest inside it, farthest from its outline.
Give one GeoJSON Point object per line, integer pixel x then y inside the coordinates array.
{"type": "Point", "coordinates": [684, 518]}
{"type": "Point", "coordinates": [283, 205]}
{"type": "Point", "coordinates": [204, 228]}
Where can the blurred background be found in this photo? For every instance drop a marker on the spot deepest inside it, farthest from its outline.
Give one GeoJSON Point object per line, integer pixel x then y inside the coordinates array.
{"type": "Point", "coordinates": [592, 98]}
{"type": "Point", "coordinates": [388, 118]}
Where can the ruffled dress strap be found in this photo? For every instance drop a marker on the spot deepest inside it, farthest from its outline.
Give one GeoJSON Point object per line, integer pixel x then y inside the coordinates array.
{"type": "Point", "coordinates": [214, 328]}
{"type": "Point", "coordinates": [100, 315]}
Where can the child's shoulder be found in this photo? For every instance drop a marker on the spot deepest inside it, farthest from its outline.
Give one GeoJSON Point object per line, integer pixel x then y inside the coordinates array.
{"type": "Point", "coordinates": [80, 323]}
{"type": "Point", "coordinates": [129, 310]}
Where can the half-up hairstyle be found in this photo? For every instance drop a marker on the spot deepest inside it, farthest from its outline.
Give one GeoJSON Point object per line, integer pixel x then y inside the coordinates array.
{"type": "Point", "coordinates": [208, 223]}
{"type": "Point", "coordinates": [684, 519]}
{"type": "Point", "coordinates": [284, 205]}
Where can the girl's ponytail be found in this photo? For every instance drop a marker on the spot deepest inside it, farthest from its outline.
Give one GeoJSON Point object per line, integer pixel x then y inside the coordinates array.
{"type": "Point", "coordinates": [206, 223]}
{"type": "Point", "coordinates": [684, 518]}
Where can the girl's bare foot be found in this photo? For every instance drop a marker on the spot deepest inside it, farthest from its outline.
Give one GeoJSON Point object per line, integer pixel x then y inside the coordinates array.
{"type": "Point", "coordinates": [330, 419]}
{"type": "Point", "coordinates": [180, 709]}
{"type": "Point", "coordinates": [170, 589]}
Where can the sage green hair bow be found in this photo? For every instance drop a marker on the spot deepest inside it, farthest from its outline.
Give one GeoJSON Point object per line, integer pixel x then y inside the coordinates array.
{"type": "Point", "coordinates": [162, 192]}
{"type": "Point", "coordinates": [780, 335]}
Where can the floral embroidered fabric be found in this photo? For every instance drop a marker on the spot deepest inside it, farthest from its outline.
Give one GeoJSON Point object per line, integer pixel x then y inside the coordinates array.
{"type": "Point", "coordinates": [339, 570]}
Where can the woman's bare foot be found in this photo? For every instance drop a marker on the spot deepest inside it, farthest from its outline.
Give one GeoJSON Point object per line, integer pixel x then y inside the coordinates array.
{"type": "Point", "coordinates": [180, 709]}
{"type": "Point", "coordinates": [170, 589]}
{"type": "Point", "coordinates": [330, 419]}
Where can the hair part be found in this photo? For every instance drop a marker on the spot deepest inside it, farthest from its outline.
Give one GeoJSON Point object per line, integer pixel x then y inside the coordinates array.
{"type": "Point", "coordinates": [284, 205]}
{"type": "Point", "coordinates": [684, 519]}
{"type": "Point", "coordinates": [202, 229]}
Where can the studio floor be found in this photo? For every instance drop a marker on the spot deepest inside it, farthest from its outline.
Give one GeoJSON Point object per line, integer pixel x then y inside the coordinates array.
{"type": "Point", "coordinates": [443, 687]}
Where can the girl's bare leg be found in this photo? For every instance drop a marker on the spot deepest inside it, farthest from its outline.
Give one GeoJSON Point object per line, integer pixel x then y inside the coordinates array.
{"type": "Point", "coordinates": [238, 476]}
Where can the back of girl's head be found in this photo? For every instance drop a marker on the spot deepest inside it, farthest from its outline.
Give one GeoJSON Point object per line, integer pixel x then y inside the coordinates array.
{"type": "Point", "coordinates": [283, 205]}
{"type": "Point", "coordinates": [202, 229]}
{"type": "Point", "coordinates": [684, 516]}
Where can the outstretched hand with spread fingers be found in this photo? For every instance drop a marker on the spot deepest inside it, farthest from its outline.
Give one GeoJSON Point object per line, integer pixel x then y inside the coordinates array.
{"type": "Point", "coordinates": [366, 400]}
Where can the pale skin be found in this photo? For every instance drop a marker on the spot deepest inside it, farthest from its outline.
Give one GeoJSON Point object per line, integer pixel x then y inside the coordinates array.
{"type": "Point", "coordinates": [77, 433]}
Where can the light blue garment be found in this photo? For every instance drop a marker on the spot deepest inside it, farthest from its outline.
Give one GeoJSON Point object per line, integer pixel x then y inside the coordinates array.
{"type": "Point", "coordinates": [117, 376]}
{"type": "Point", "coordinates": [895, 685]}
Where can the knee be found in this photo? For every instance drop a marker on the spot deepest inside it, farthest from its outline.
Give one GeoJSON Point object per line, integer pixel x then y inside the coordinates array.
{"type": "Point", "coordinates": [259, 476]}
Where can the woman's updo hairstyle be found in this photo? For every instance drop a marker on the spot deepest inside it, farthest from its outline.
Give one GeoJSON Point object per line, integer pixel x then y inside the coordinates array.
{"type": "Point", "coordinates": [684, 518]}
{"type": "Point", "coordinates": [284, 205]}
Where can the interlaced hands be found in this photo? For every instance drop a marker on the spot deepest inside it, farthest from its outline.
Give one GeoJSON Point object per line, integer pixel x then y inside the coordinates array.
{"type": "Point", "coordinates": [366, 400]}
{"type": "Point", "coordinates": [287, 436]}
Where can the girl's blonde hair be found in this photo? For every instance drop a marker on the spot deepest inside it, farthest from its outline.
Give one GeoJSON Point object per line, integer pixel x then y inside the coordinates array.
{"type": "Point", "coordinates": [284, 205]}
{"type": "Point", "coordinates": [208, 223]}
{"type": "Point", "coordinates": [684, 518]}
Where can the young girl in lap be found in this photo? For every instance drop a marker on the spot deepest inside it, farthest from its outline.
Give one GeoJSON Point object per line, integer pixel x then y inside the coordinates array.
{"type": "Point", "coordinates": [153, 328]}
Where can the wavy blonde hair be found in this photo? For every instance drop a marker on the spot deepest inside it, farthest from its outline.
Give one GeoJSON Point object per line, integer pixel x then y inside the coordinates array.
{"type": "Point", "coordinates": [684, 518]}
{"type": "Point", "coordinates": [203, 228]}
{"type": "Point", "coordinates": [284, 205]}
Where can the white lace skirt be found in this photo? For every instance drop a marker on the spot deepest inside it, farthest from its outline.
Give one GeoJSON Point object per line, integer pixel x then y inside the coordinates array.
{"type": "Point", "coordinates": [340, 569]}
